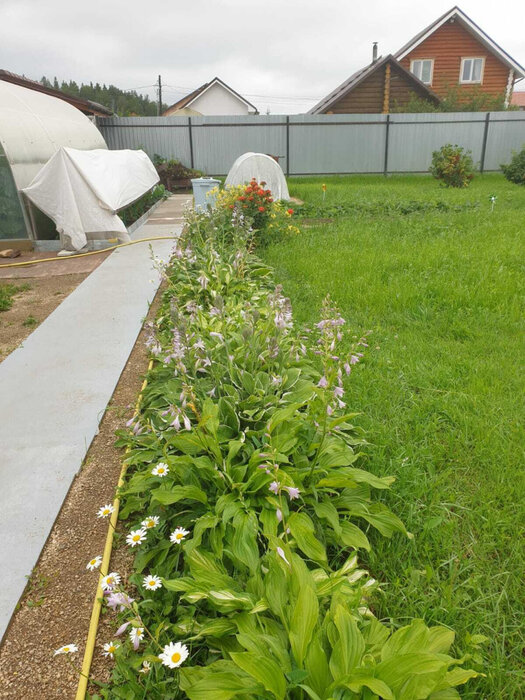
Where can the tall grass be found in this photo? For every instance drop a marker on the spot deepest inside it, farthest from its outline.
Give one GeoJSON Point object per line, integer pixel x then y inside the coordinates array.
{"type": "Point", "coordinates": [442, 396]}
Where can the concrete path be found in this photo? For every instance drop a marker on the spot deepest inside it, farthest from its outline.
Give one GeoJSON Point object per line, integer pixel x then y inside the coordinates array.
{"type": "Point", "coordinates": [54, 390]}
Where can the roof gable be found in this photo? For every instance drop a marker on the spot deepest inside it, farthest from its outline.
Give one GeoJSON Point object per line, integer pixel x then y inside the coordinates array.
{"type": "Point", "coordinates": [471, 27]}
{"type": "Point", "coordinates": [187, 101]}
{"type": "Point", "coordinates": [359, 76]}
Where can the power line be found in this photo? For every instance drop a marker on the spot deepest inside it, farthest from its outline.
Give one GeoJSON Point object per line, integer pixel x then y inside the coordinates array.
{"type": "Point", "coordinates": [284, 98]}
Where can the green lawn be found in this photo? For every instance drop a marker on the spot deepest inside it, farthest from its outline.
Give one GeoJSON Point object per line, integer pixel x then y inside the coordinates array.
{"type": "Point", "coordinates": [441, 392]}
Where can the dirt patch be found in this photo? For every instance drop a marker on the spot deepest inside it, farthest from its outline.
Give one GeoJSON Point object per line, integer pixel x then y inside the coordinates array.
{"type": "Point", "coordinates": [56, 607]}
{"type": "Point", "coordinates": [310, 223]}
{"type": "Point", "coordinates": [38, 297]}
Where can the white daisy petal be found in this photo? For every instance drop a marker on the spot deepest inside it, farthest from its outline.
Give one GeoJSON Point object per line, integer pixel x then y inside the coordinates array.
{"type": "Point", "coordinates": [136, 537]}
{"type": "Point", "coordinates": [174, 654]}
{"type": "Point", "coordinates": [160, 470]}
{"type": "Point", "coordinates": [94, 563]}
{"type": "Point", "coordinates": [178, 535]}
{"type": "Point", "coordinates": [109, 582]}
{"type": "Point", "coordinates": [150, 522]}
{"type": "Point", "coordinates": [152, 583]}
{"type": "Point", "coordinates": [110, 648]}
{"type": "Point", "coordinates": [105, 511]}
{"type": "Point", "coordinates": [67, 649]}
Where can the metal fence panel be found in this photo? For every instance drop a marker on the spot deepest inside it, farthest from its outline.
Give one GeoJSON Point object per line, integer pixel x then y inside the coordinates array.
{"type": "Point", "coordinates": [413, 137]}
{"type": "Point", "coordinates": [321, 144]}
{"type": "Point", "coordinates": [506, 133]}
{"type": "Point", "coordinates": [167, 136]}
{"type": "Point", "coordinates": [337, 143]}
{"type": "Point", "coordinates": [219, 141]}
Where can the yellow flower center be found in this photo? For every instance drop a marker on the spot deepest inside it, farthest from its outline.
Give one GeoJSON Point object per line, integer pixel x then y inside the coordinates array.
{"type": "Point", "coordinates": [106, 511]}
{"type": "Point", "coordinates": [152, 583]}
{"type": "Point", "coordinates": [66, 649]}
{"type": "Point", "coordinates": [136, 538]}
{"type": "Point", "coordinates": [150, 523]}
{"type": "Point", "coordinates": [175, 657]}
{"type": "Point", "coordinates": [179, 536]}
{"type": "Point", "coordinates": [93, 562]}
{"type": "Point", "coordinates": [112, 649]}
{"type": "Point", "coordinates": [109, 580]}
{"type": "Point", "coordinates": [161, 470]}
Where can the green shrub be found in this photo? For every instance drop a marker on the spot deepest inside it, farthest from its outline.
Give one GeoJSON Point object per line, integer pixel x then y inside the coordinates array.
{"type": "Point", "coordinates": [453, 166]}
{"type": "Point", "coordinates": [515, 170]}
{"type": "Point", "coordinates": [134, 211]}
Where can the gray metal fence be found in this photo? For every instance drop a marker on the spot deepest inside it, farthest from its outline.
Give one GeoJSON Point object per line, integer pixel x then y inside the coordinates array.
{"type": "Point", "coordinates": [322, 144]}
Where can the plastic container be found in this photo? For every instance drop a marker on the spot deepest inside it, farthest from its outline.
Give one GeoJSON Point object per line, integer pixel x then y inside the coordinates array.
{"type": "Point", "coordinates": [201, 188]}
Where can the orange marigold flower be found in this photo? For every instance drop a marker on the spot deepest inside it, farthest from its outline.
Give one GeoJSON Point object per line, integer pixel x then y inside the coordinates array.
{"type": "Point", "coordinates": [231, 206]}
{"type": "Point", "coordinates": [261, 209]}
{"type": "Point", "coordinates": [289, 211]}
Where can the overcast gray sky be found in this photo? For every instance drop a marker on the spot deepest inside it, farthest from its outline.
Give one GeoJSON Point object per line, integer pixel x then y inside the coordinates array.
{"type": "Point", "coordinates": [274, 53]}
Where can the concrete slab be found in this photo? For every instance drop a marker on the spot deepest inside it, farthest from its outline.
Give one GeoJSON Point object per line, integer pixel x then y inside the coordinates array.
{"type": "Point", "coordinates": [53, 393]}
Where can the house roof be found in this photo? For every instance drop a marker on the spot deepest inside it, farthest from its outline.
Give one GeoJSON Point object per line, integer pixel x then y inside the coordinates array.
{"type": "Point", "coordinates": [85, 106]}
{"type": "Point", "coordinates": [471, 27]}
{"type": "Point", "coordinates": [356, 78]}
{"type": "Point", "coordinates": [186, 101]}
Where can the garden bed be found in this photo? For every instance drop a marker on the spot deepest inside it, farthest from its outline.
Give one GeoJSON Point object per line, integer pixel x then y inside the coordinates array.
{"type": "Point", "coordinates": [247, 501]}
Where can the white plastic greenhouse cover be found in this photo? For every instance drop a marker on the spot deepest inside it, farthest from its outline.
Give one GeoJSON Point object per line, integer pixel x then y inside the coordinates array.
{"type": "Point", "coordinates": [263, 168]}
{"type": "Point", "coordinates": [82, 190]}
{"type": "Point", "coordinates": [33, 126]}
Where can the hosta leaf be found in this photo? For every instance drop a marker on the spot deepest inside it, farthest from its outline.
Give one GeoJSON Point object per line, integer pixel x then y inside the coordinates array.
{"type": "Point", "coordinates": [350, 645]}
{"type": "Point", "coordinates": [244, 542]}
{"type": "Point", "coordinates": [219, 685]}
{"type": "Point", "coordinates": [303, 531]}
{"type": "Point", "coordinates": [264, 670]}
{"type": "Point", "coordinates": [412, 676]}
{"type": "Point", "coordinates": [303, 622]}
{"type": "Point", "coordinates": [352, 536]}
{"type": "Point", "coordinates": [356, 683]}
{"type": "Point", "coordinates": [440, 639]}
{"type": "Point", "coordinates": [168, 497]}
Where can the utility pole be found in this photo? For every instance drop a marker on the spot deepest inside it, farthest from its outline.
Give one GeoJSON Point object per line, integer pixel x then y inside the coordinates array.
{"type": "Point", "coordinates": [159, 106]}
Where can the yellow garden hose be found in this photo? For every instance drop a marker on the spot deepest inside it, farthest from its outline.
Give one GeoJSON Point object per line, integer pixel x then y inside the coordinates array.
{"type": "Point", "coordinates": [91, 252]}
{"type": "Point", "coordinates": [104, 567]}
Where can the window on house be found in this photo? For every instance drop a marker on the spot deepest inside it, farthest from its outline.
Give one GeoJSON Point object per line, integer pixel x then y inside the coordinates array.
{"type": "Point", "coordinates": [471, 70]}
{"type": "Point", "coordinates": [423, 69]}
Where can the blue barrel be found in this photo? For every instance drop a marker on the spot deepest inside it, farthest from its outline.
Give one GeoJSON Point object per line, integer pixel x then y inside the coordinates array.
{"type": "Point", "coordinates": [201, 189]}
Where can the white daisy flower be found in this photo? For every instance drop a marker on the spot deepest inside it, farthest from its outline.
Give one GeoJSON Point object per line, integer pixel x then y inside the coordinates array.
{"type": "Point", "coordinates": [178, 535]}
{"type": "Point", "coordinates": [105, 511]}
{"type": "Point", "coordinates": [152, 582]}
{"type": "Point", "coordinates": [67, 649]}
{"type": "Point", "coordinates": [94, 563]}
{"type": "Point", "coordinates": [150, 522]}
{"type": "Point", "coordinates": [136, 537]}
{"type": "Point", "coordinates": [110, 648]}
{"type": "Point", "coordinates": [110, 581]}
{"type": "Point", "coordinates": [146, 667]}
{"type": "Point", "coordinates": [160, 470]}
{"type": "Point", "coordinates": [136, 635]}
{"type": "Point", "coordinates": [174, 654]}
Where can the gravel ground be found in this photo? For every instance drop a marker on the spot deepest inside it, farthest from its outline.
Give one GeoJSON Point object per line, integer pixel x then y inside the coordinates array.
{"type": "Point", "coordinates": [56, 607]}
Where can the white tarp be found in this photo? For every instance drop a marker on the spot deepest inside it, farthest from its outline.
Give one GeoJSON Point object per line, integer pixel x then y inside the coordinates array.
{"type": "Point", "coordinates": [263, 168]}
{"type": "Point", "coordinates": [82, 190]}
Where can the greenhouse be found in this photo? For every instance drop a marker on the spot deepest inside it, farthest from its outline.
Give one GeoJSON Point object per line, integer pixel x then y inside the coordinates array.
{"type": "Point", "coordinates": [33, 126]}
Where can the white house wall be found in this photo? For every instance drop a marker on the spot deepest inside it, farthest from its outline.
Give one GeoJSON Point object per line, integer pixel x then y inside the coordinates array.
{"type": "Point", "coordinates": [219, 101]}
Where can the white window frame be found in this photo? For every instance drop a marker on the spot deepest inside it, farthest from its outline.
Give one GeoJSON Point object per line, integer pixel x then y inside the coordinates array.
{"type": "Point", "coordinates": [472, 82]}
{"type": "Point", "coordinates": [420, 60]}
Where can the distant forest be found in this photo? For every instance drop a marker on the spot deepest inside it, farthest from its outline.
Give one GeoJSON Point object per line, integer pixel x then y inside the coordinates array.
{"type": "Point", "coordinates": [123, 103]}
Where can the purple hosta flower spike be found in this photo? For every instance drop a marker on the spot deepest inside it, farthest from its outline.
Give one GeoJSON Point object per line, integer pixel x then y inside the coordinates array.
{"type": "Point", "coordinates": [338, 391]}
{"type": "Point", "coordinates": [347, 368]}
{"type": "Point", "coordinates": [293, 492]}
{"type": "Point", "coordinates": [323, 383]}
{"type": "Point", "coordinates": [279, 515]}
{"type": "Point", "coordinates": [274, 487]}
{"type": "Point", "coordinates": [203, 280]}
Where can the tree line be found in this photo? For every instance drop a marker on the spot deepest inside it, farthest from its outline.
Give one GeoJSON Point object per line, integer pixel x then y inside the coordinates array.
{"type": "Point", "coordinates": [125, 103]}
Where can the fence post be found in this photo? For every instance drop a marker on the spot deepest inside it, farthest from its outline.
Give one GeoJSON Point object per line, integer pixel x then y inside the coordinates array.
{"type": "Point", "coordinates": [287, 146]}
{"type": "Point", "coordinates": [192, 164]}
{"type": "Point", "coordinates": [484, 144]}
{"type": "Point", "coordinates": [387, 126]}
